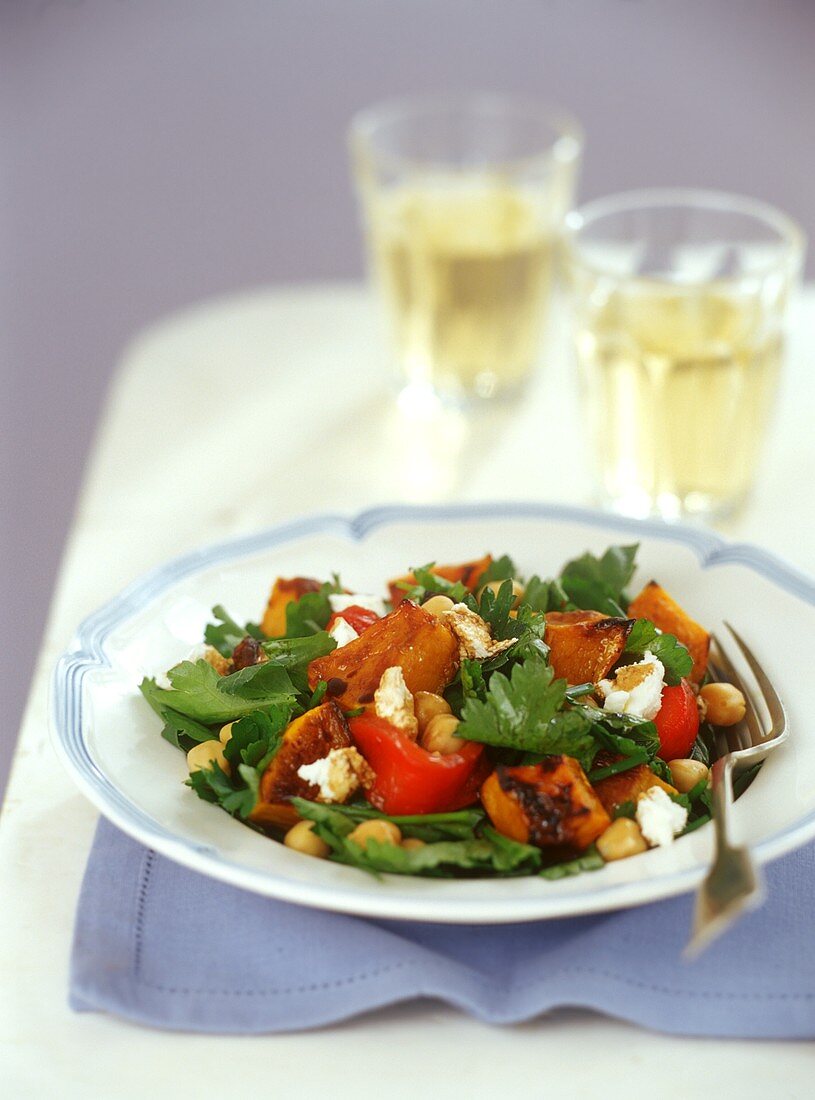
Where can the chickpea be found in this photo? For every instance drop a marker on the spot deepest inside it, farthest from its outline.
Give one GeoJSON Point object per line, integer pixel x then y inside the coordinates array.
{"type": "Point", "coordinates": [621, 839]}
{"type": "Point", "coordinates": [426, 706]}
{"type": "Point", "coordinates": [517, 590]}
{"type": "Point", "coordinates": [302, 838]}
{"type": "Point", "coordinates": [203, 755]}
{"type": "Point", "coordinates": [685, 774]}
{"type": "Point", "coordinates": [384, 832]}
{"type": "Point", "coordinates": [440, 735]}
{"type": "Point", "coordinates": [438, 605]}
{"type": "Point", "coordinates": [724, 704]}
{"type": "Point", "coordinates": [412, 844]}
{"type": "Point", "coordinates": [226, 732]}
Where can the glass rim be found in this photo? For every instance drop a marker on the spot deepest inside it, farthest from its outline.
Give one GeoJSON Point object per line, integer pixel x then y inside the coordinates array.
{"type": "Point", "coordinates": [565, 146]}
{"type": "Point", "coordinates": [791, 236]}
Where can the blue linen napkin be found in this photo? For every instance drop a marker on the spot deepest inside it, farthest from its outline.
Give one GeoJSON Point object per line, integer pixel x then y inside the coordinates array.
{"type": "Point", "coordinates": [277, 967]}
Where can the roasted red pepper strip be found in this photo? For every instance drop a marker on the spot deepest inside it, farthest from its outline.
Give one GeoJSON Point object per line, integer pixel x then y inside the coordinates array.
{"type": "Point", "coordinates": [360, 618]}
{"type": "Point", "coordinates": [677, 721]}
{"type": "Point", "coordinates": [410, 780]}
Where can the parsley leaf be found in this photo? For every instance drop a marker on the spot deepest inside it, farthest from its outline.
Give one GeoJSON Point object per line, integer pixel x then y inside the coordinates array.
{"type": "Point", "coordinates": [598, 584]}
{"type": "Point", "coordinates": [621, 733]}
{"type": "Point", "coordinates": [525, 712]}
{"type": "Point", "coordinates": [426, 583]}
{"type": "Point", "coordinates": [501, 569]}
{"type": "Point", "coordinates": [199, 692]}
{"type": "Point", "coordinates": [237, 797]}
{"type": "Point", "coordinates": [225, 634]}
{"type": "Point", "coordinates": [473, 684]}
{"type": "Point", "coordinates": [543, 596]}
{"type": "Point", "coordinates": [665, 647]}
{"type": "Point", "coordinates": [257, 737]}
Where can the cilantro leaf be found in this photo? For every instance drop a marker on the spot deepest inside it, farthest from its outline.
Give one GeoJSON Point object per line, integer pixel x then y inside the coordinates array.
{"type": "Point", "coordinates": [525, 712]}
{"type": "Point", "coordinates": [598, 584]}
{"type": "Point", "coordinates": [225, 634]}
{"type": "Point", "coordinates": [198, 691]}
{"type": "Point", "coordinates": [665, 647]}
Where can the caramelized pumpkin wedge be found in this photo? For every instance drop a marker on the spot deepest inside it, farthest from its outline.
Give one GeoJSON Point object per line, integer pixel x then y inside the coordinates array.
{"type": "Point", "coordinates": [284, 592]}
{"type": "Point", "coordinates": [424, 647]}
{"type": "Point", "coordinates": [308, 738]}
{"type": "Point", "coordinates": [584, 645]}
{"type": "Point", "coordinates": [551, 804]}
{"type": "Point", "coordinates": [655, 604]}
{"type": "Point", "coordinates": [628, 786]}
{"type": "Point", "coordinates": [468, 572]}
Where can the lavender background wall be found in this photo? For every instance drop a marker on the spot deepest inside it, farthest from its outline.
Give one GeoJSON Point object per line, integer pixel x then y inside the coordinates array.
{"type": "Point", "coordinates": [156, 152]}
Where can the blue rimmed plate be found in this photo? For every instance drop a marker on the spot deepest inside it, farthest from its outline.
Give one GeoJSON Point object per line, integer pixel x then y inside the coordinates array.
{"type": "Point", "coordinates": [109, 739]}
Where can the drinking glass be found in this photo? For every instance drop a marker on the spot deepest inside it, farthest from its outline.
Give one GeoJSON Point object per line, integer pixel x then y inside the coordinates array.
{"type": "Point", "coordinates": [680, 299]}
{"type": "Point", "coordinates": [463, 200]}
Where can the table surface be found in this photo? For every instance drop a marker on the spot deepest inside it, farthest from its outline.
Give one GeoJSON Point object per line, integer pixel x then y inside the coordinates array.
{"type": "Point", "coordinates": [210, 432]}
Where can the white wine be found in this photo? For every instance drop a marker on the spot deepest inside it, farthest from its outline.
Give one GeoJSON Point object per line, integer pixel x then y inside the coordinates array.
{"type": "Point", "coordinates": [680, 385]}
{"type": "Point", "coordinates": [466, 270]}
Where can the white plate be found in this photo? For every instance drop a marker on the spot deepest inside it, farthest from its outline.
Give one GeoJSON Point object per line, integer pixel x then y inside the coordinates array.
{"type": "Point", "coordinates": [109, 738]}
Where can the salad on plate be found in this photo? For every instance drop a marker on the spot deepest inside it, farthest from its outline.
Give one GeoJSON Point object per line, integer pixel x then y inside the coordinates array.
{"type": "Point", "coordinates": [467, 722]}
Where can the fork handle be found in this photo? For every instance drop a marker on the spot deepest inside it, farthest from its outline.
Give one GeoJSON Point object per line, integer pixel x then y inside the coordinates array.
{"type": "Point", "coordinates": [721, 783]}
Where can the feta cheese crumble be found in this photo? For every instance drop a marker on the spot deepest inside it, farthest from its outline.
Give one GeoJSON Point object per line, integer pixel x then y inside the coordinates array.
{"type": "Point", "coordinates": [341, 601]}
{"type": "Point", "coordinates": [338, 775]}
{"type": "Point", "coordinates": [636, 689]}
{"type": "Point", "coordinates": [660, 818]}
{"type": "Point", "coordinates": [342, 632]}
{"type": "Point", "coordinates": [475, 640]}
{"type": "Point", "coordinates": [394, 702]}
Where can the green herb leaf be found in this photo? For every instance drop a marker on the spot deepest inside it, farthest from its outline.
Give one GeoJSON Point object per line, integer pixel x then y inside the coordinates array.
{"type": "Point", "coordinates": [473, 684]}
{"type": "Point", "coordinates": [501, 569]}
{"type": "Point", "coordinates": [426, 583]}
{"type": "Point", "coordinates": [200, 693]}
{"type": "Point", "coordinates": [525, 713]}
{"type": "Point", "coordinates": [238, 798]}
{"type": "Point", "coordinates": [665, 647]}
{"type": "Point", "coordinates": [590, 860]}
{"type": "Point", "coordinates": [542, 596]}
{"type": "Point", "coordinates": [598, 584]}
{"type": "Point", "coordinates": [257, 737]}
{"type": "Point", "coordinates": [310, 614]}
{"type": "Point", "coordinates": [225, 634]}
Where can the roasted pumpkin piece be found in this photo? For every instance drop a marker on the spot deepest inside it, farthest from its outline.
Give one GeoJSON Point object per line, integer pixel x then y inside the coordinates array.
{"type": "Point", "coordinates": [628, 786]}
{"type": "Point", "coordinates": [584, 645]}
{"type": "Point", "coordinates": [468, 572]}
{"type": "Point", "coordinates": [284, 592]}
{"type": "Point", "coordinates": [551, 804]}
{"type": "Point", "coordinates": [655, 604]}
{"type": "Point", "coordinates": [308, 738]}
{"type": "Point", "coordinates": [424, 647]}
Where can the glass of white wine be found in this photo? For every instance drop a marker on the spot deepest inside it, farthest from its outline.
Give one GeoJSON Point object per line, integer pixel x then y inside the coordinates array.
{"type": "Point", "coordinates": [679, 302]}
{"type": "Point", "coordinates": [464, 199]}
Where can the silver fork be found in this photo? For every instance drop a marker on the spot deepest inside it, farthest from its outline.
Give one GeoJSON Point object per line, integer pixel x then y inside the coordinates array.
{"type": "Point", "coordinates": [733, 884]}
